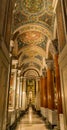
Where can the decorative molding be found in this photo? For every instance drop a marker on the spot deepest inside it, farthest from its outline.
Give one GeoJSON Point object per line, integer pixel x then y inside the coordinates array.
{"type": "Point", "coordinates": [54, 5]}
{"type": "Point", "coordinates": [49, 64]}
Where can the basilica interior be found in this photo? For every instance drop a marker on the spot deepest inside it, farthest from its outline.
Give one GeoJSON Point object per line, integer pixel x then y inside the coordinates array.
{"type": "Point", "coordinates": [33, 65]}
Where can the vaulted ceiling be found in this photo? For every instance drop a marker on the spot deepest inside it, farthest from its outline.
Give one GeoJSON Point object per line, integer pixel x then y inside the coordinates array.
{"type": "Point", "coordinates": [32, 27]}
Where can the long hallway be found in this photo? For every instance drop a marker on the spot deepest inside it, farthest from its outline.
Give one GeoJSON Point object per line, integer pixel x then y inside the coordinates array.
{"type": "Point", "coordinates": [31, 121]}
{"type": "Point", "coordinates": [33, 64]}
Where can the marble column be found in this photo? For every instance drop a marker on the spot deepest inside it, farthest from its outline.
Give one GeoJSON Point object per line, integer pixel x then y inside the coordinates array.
{"type": "Point", "coordinates": [20, 95]}
{"type": "Point", "coordinates": [41, 91]}
{"type": "Point", "coordinates": [18, 90]}
{"type": "Point", "coordinates": [15, 86]}
{"type": "Point", "coordinates": [17, 96]}
{"type": "Point", "coordinates": [50, 93]}
{"type": "Point", "coordinates": [50, 90]}
{"type": "Point", "coordinates": [24, 95]}
{"type": "Point", "coordinates": [12, 93]}
{"type": "Point", "coordinates": [37, 95]}
{"type": "Point", "coordinates": [59, 96]}
{"type": "Point", "coordinates": [45, 95]}
{"type": "Point", "coordinates": [11, 98]}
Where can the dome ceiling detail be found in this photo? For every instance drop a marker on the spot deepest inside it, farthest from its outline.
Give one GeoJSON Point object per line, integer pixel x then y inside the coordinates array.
{"type": "Point", "coordinates": [36, 11]}
{"type": "Point", "coordinates": [31, 64]}
{"type": "Point", "coordinates": [32, 37]}
{"type": "Point", "coordinates": [31, 52]}
{"type": "Point", "coordinates": [31, 60]}
{"type": "Point", "coordinates": [33, 6]}
{"type": "Point", "coordinates": [31, 73]}
{"type": "Point", "coordinates": [34, 20]}
{"type": "Point", "coordinates": [34, 27]}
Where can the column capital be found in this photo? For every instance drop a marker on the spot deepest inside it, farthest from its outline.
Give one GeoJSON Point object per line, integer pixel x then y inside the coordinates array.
{"type": "Point", "coordinates": [49, 64]}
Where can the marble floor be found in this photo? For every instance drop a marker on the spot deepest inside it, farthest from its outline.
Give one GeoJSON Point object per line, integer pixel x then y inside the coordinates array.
{"type": "Point", "coordinates": [31, 121]}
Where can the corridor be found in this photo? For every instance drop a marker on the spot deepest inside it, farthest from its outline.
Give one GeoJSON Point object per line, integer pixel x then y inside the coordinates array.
{"type": "Point", "coordinates": [31, 121]}
{"type": "Point", "coordinates": [33, 64]}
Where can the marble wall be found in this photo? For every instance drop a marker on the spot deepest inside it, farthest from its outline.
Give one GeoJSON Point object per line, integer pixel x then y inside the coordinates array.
{"type": "Point", "coordinates": [63, 76]}
{"type": "Point", "coordinates": [4, 69]}
{"type": "Point", "coordinates": [4, 62]}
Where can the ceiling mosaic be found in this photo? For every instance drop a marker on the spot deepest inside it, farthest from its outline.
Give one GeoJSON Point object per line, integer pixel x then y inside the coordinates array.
{"type": "Point", "coordinates": [32, 6]}
{"type": "Point", "coordinates": [24, 57]}
{"type": "Point", "coordinates": [21, 43]}
{"type": "Point", "coordinates": [29, 60]}
{"type": "Point", "coordinates": [27, 11]}
{"type": "Point", "coordinates": [34, 20]}
{"type": "Point", "coordinates": [31, 51]}
{"type": "Point", "coordinates": [39, 57]}
{"type": "Point", "coordinates": [31, 64]}
{"type": "Point", "coordinates": [31, 73]}
{"type": "Point", "coordinates": [32, 37]}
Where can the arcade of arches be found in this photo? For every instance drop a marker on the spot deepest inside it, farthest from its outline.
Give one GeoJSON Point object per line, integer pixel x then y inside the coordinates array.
{"type": "Point", "coordinates": [33, 61]}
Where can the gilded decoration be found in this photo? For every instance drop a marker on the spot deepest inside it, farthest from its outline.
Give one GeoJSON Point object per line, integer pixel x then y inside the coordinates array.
{"type": "Point", "coordinates": [19, 18]}
{"type": "Point", "coordinates": [33, 6]}
{"type": "Point", "coordinates": [34, 20]}
{"type": "Point", "coordinates": [32, 37]}
{"type": "Point", "coordinates": [42, 45]}
{"type": "Point", "coordinates": [31, 73]}
{"type": "Point", "coordinates": [28, 11]}
{"type": "Point", "coordinates": [31, 64]}
{"type": "Point", "coordinates": [47, 18]}
{"type": "Point", "coordinates": [21, 43]}
{"type": "Point", "coordinates": [38, 27]}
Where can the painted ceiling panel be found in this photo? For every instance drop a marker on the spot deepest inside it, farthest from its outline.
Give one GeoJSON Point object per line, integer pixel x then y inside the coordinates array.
{"type": "Point", "coordinates": [32, 51]}
{"type": "Point", "coordinates": [26, 11]}
{"type": "Point", "coordinates": [31, 73]}
{"type": "Point", "coordinates": [34, 20]}
{"type": "Point", "coordinates": [24, 66]}
{"type": "Point", "coordinates": [37, 65]}
{"type": "Point", "coordinates": [21, 43]}
{"type": "Point", "coordinates": [32, 6]}
{"type": "Point", "coordinates": [32, 37]}
{"type": "Point", "coordinates": [47, 18]}
{"type": "Point", "coordinates": [31, 64]}
{"type": "Point", "coordinates": [39, 57]}
{"type": "Point", "coordinates": [24, 57]}
{"type": "Point", "coordinates": [31, 60]}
